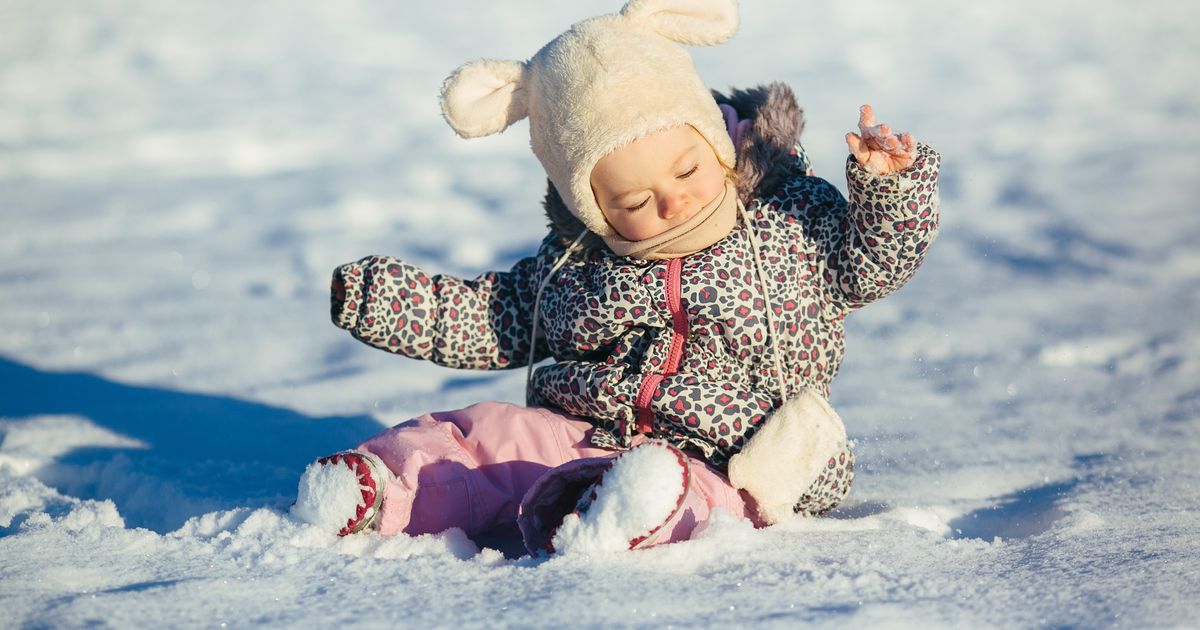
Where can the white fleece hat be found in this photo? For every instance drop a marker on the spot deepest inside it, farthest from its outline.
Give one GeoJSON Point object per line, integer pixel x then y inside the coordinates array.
{"type": "Point", "coordinates": [603, 83]}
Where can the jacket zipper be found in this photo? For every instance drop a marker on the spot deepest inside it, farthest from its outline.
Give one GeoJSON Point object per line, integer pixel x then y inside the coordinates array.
{"type": "Point", "coordinates": [679, 335]}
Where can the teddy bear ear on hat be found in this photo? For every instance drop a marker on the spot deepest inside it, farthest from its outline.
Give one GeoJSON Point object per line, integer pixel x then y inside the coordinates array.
{"type": "Point", "coordinates": [484, 97]}
{"type": "Point", "coordinates": [688, 22]}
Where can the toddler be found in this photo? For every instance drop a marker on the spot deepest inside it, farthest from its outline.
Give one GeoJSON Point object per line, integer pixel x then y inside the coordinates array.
{"type": "Point", "coordinates": [691, 293]}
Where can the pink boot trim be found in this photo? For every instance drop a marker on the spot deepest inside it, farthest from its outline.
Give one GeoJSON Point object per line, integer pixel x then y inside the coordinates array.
{"type": "Point", "coordinates": [652, 535]}
{"type": "Point", "coordinates": [367, 470]}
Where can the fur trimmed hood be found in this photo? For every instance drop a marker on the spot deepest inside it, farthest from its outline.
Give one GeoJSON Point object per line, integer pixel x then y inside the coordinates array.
{"type": "Point", "coordinates": [764, 155]}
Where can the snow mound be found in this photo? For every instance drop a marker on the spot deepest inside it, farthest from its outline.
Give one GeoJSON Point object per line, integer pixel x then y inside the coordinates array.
{"type": "Point", "coordinates": [723, 528]}
{"type": "Point", "coordinates": [638, 494]}
{"type": "Point", "coordinates": [81, 516]}
{"type": "Point", "coordinates": [26, 503]}
{"type": "Point", "coordinates": [328, 496]}
{"type": "Point", "coordinates": [213, 523]}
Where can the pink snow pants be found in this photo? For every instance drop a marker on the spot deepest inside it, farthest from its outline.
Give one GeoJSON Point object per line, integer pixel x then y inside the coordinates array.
{"type": "Point", "coordinates": [470, 468]}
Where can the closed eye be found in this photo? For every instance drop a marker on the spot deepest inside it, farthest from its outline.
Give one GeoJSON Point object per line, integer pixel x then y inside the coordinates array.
{"type": "Point", "coordinates": [640, 205]}
{"type": "Point", "coordinates": [690, 172]}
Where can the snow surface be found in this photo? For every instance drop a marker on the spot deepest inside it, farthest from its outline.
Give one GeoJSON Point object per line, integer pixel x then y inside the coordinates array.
{"type": "Point", "coordinates": [177, 180]}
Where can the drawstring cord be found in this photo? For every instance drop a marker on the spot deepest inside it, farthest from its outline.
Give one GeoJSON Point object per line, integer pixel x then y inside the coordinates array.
{"type": "Point", "coordinates": [537, 306]}
{"type": "Point", "coordinates": [774, 338]}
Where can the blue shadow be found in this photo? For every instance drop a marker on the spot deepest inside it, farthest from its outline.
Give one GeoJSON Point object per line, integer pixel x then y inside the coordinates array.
{"type": "Point", "coordinates": [203, 452]}
{"type": "Point", "coordinates": [1020, 514]}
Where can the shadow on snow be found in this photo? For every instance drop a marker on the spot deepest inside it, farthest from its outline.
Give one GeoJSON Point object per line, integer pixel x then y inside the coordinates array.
{"type": "Point", "coordinates": [204, 452]}
{"type": "Point", "coordinates": [1019, 514]}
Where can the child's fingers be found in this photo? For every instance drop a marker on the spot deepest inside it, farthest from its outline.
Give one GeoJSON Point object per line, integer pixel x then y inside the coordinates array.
{"type": "Point", "coordinates": [881, 137]}
{"type": "Point", "coordinates": [897, 144]}
{"type": "Point", "coordinates": [890, 142]}
{"type": "Point", "coordinates": [866, 119]}
{"type": "Point", "coordinates": [857, 147]}
{"type": "Point", "coordinates": [878, 142]}
{"type": "Point", "coordinates": [904, 146]}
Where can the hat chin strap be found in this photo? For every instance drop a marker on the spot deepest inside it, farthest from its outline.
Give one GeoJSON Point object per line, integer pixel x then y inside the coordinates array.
{"type": "Point", "coordinates": [710, 224]}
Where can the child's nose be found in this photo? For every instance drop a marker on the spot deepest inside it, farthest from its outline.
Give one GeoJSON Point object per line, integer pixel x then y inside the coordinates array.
{"type": "Point", "coordinates": [672, 205]}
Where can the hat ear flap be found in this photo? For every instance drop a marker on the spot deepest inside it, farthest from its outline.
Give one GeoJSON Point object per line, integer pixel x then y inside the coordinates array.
{"type": "Point", "coordinates": [690, 22]}
{"type": "Point", "coordinates": [484, 97]}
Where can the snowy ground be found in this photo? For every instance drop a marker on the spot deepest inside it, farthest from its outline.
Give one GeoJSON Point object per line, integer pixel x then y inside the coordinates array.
{"type": "Point", "coordinates": [178, 179]}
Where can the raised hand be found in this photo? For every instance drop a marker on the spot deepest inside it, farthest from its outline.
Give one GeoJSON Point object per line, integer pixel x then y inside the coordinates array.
{"type": "Point", "coordinates": [879, 149]}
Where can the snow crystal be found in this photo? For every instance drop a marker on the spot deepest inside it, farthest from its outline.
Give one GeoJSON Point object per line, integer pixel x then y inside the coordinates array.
{"type": "Point", "coordinates": [1082, 521]}
{"type": "Point", "coordinates": [1086, 351]}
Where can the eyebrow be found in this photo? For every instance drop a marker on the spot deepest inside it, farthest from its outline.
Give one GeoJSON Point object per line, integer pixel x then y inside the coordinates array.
{"type": "Point", "coordinates": [674, 166]}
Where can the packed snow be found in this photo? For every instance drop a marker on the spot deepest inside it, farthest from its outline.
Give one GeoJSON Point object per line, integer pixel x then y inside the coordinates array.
{"type": "Point", "coordinates": [328, 496]}
{"type": "Point", "coordinates": [630, 504]}
{"type": "Point", "coordinates": [177, 181]}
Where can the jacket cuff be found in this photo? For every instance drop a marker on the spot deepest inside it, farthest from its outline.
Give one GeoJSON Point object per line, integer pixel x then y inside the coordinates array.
{"type": "Point", "coordinates": [345, 313]}
{"type": "Point", "coordinates": [900, 182]}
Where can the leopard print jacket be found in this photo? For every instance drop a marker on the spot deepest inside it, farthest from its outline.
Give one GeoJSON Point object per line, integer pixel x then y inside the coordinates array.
{"type": "Point", "coordinates": [677, 349]}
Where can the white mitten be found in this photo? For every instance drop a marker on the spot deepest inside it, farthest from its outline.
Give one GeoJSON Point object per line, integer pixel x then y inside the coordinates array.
{"type": "Point", "coordinates": [786, 455]}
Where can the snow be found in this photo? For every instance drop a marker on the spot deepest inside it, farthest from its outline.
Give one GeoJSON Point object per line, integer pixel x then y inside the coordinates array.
{"type": "Point", "coordinates": [634, 498]}
{"type": "Point", "coordinates": [327, 496]}
{"type": "Point", "coordinates": [178, 180]}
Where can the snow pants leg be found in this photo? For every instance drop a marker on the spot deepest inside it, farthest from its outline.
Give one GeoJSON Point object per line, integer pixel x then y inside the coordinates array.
{"type": "Point", "coordinates": [709, 489]}
{"type": "Point", "coordinates": [470, 468]}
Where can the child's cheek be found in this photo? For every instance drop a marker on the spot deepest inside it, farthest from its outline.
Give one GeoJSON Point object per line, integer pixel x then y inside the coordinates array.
{"type": "Point", "coordinates": [713, 184]}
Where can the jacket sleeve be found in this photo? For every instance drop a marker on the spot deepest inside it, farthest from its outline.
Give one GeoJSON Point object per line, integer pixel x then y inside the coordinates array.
{"type": "Point", "coordinates": [717, 413]}
{"type": "Point", "coordinates": [871, 244]}
{"type": "Point", "coordinates": [481, 324]}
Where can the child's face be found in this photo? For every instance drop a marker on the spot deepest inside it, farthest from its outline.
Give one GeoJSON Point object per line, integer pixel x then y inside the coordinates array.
{"type": "Point", "coordinates": [657, 182]}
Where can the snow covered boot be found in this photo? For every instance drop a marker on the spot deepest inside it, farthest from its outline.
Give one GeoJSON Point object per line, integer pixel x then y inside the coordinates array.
{"type": "Point", "coordinates": [342, 492]}
{"type": "Point", "coordinates": [630, 506]}
{"type": "Point", "coordinates": [553, 496]}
